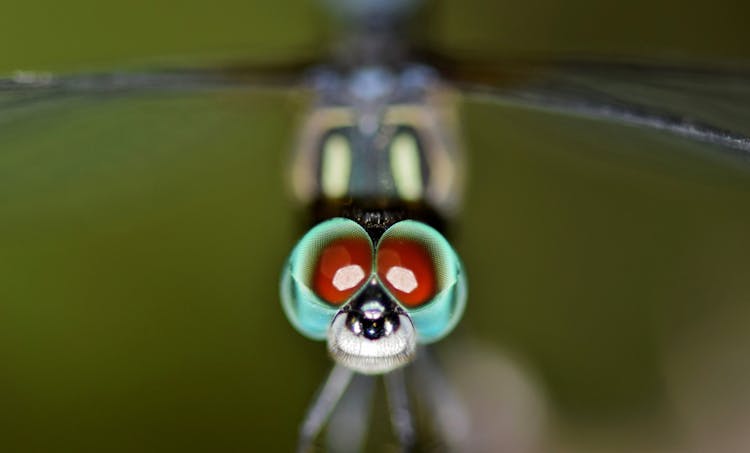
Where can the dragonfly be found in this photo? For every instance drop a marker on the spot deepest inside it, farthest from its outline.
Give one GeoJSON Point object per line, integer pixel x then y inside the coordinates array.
{"type": "Point", "coordinates": [380, 166]}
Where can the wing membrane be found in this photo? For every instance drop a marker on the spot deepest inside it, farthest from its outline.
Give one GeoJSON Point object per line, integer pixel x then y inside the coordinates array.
{"type": "Point", "coordinates": [28, 89]}
{"type": "Point", "coordinates": [705, 105]}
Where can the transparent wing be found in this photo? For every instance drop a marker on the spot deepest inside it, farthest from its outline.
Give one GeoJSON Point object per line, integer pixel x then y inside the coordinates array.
{"type": "Point", "coordinates": [710, 105]}
{"type": "Point", "coordinates": [24, 90]}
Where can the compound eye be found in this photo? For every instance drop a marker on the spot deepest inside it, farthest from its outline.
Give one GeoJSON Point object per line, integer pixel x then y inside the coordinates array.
{"type": "Point", "coordinates": [342, 266]}
{"type": "Point", "coordinates": [406, 267]}
{"type": "Point", "coordinates": [420, 269]}
{"type": "Point", "coordinates": [326, 267]}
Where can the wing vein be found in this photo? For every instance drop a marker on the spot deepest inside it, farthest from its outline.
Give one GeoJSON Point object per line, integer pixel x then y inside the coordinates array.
{"type": "Point", "coordinates": [596, 106]}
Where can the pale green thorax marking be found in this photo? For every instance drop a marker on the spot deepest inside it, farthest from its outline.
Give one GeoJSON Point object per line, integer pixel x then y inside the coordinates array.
{"type": "Point", "coordinates": [406, 166]}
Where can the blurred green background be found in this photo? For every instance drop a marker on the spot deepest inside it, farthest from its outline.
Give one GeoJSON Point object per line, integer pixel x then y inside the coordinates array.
{"type": "Point", "coordinates": [141, 238]}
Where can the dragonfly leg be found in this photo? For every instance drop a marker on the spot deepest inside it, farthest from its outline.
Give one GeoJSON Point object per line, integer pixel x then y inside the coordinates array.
{"type": "Point", "coordinates": [320, 410]}
{"type": "Point", "coordinates": [400, 410]}
{"type": "Point", "coordinates": [348, 426]}
{"type": "Point", "coordinates": [449, 414]}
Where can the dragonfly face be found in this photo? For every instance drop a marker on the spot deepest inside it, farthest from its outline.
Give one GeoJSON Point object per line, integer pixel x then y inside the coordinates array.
{"type": "Point", "coordinates": [378, 160]}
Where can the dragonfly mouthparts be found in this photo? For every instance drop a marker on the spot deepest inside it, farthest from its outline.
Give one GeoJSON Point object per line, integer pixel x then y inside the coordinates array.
{"type": "Point", "coordinates": [371, 334]}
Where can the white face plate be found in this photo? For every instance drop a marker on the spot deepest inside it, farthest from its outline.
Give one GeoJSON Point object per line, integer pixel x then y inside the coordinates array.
{"type": "Point", "coordinates": [366, 356]}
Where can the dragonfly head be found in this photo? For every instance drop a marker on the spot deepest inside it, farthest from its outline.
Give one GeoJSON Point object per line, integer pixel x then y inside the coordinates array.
{"type": "Point", "coordinates": [373, 297]}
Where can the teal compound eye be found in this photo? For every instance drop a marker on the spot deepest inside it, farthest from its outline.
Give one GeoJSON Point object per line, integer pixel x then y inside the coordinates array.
{"type": "Point", "coordinates": [325, 269]}
{"type": "Point", "coordinates": [420, 269]}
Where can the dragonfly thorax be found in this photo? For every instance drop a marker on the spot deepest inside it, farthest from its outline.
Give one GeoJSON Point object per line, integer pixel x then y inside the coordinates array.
{"type": "Point", "coordinates": [382, 136]}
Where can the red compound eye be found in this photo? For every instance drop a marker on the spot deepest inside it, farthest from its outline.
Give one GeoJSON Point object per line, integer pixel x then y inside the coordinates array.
{"type": "Point", "coordinates": [406, 267]}
{"type": "Point", "coordinates": [342, 267]}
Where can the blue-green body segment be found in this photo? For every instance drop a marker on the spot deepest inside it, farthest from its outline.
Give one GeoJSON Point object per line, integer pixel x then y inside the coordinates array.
{"type": "Point", "coordinates": [312, 316]}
